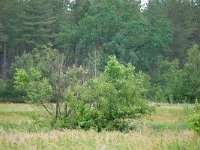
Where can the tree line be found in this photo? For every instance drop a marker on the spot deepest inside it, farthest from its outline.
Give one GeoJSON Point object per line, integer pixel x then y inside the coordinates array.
{"type": "Point", "coordinates": [162, 40]}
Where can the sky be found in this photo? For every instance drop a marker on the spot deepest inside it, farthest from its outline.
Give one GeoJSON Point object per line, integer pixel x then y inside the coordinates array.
{"type": "Point", "coordinates": [144, 1]}
{"type": "Point", "coordinates": [144, 4]}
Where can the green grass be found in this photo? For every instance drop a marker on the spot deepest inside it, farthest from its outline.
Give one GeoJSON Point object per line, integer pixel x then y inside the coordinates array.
{"type": "Point", "coordinates": [10, 107]}
{"type": "Point", "coordinates": [165, 129]}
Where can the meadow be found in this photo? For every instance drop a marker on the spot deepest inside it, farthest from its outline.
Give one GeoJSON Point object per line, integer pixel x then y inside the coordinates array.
{"type": "Point", "coordinates": [164, 129]}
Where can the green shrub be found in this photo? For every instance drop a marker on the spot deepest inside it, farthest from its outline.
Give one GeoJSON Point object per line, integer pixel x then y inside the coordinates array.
{"type": "Point", "coordinates": [193, 117]}
{"type": "Point", "coordinates": [194, 122]}
{"type": "Point", "coordinates": [111, 100]}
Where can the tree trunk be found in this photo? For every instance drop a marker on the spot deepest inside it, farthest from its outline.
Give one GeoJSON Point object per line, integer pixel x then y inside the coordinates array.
{"type": "Point", "coordinates": [4, 60]}
{"type": "Point", "coordinates": [18, 50]}
{"type": "Point", "coordinates": [57, 108]}
{"type": "Point", "coordinates": [95, 64]}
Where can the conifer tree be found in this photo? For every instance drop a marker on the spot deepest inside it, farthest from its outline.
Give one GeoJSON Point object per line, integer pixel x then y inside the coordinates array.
{"type": "Point", "coordinates": [38, 23]}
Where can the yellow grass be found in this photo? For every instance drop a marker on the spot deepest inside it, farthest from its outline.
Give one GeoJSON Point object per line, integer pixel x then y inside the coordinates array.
{"type": "Point", "coordinates": [79, 139]}
{"type": "Point", "coordinates": [163, 118]}
{"type": "Point", "coordinates": [168, 113]}
{"type": "Point", "coordinates": [11, 107]}
{"type": "Point", "coordinates": [11, 116]}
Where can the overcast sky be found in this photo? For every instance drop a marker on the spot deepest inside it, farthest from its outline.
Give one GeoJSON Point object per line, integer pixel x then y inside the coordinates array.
{"type": "Point", "coordinates": [143, 3]}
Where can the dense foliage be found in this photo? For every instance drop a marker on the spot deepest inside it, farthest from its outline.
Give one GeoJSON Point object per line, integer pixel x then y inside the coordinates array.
{"type": "Point", "coordinates": [161, 39]}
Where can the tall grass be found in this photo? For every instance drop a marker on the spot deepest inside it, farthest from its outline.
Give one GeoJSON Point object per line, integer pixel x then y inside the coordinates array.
{"type": "Point", "coordinates": [78, 139]}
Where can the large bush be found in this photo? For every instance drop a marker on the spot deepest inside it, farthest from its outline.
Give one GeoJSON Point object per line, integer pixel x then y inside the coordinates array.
{"type": "Point", "coordinates": [46, 79]}
{"type": "Point", "coordinates": [110, 101]}
{"type": "Point", "coordinates": [191, 73]}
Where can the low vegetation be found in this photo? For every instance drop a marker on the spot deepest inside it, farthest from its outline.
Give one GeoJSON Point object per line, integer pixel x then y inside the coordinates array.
{"type": "Point", "coordinates": [165, 129]}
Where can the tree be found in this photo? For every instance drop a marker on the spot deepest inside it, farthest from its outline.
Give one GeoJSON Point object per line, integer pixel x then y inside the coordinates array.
{"type": "Point", "coordinates": [196, 21]}
{"type": "Point", "coordinates": [38, 24]}
{"type": "Point", "coordinates": [5, 20]}
{"type": "Point", "coordinates": [181, 17]}
{"type": "Point", "coordinates": [68, 36]}
{"type": "Point", "coordinates": [191, 73]}
{"type": "Point", "coordinates": [47, 79]}
{"type": "Point", "coordinates": [3, 39]}
{"type": "Point", "coordinates": [96, 29]}
{"type": "Point", "coordinates": [117, 28]}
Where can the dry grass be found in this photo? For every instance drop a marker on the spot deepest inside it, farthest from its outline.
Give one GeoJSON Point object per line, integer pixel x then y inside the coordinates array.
{"type": "Point", "coordinates": [163, 118]}
{"type": "Point", "coordinates": [79, 139]}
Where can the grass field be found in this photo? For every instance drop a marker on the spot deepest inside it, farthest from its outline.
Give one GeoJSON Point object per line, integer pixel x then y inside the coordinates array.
{"type": "Point", "coordinates": [165, 129]}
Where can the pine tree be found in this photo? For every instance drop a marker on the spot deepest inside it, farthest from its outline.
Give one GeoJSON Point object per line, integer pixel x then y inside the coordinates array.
{"type": "Point", "coordinates": [181, 17]}
{"type": "Point", "coordinates": [5, 18]}
{"type": "Point", "coordinates": [38, 23]}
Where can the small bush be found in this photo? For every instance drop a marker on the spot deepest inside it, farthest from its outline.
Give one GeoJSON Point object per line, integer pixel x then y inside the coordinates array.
{"type": "Point", "coordinates": [193, 119]}
{"type": "Point", "coordinates": [194, 122]}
